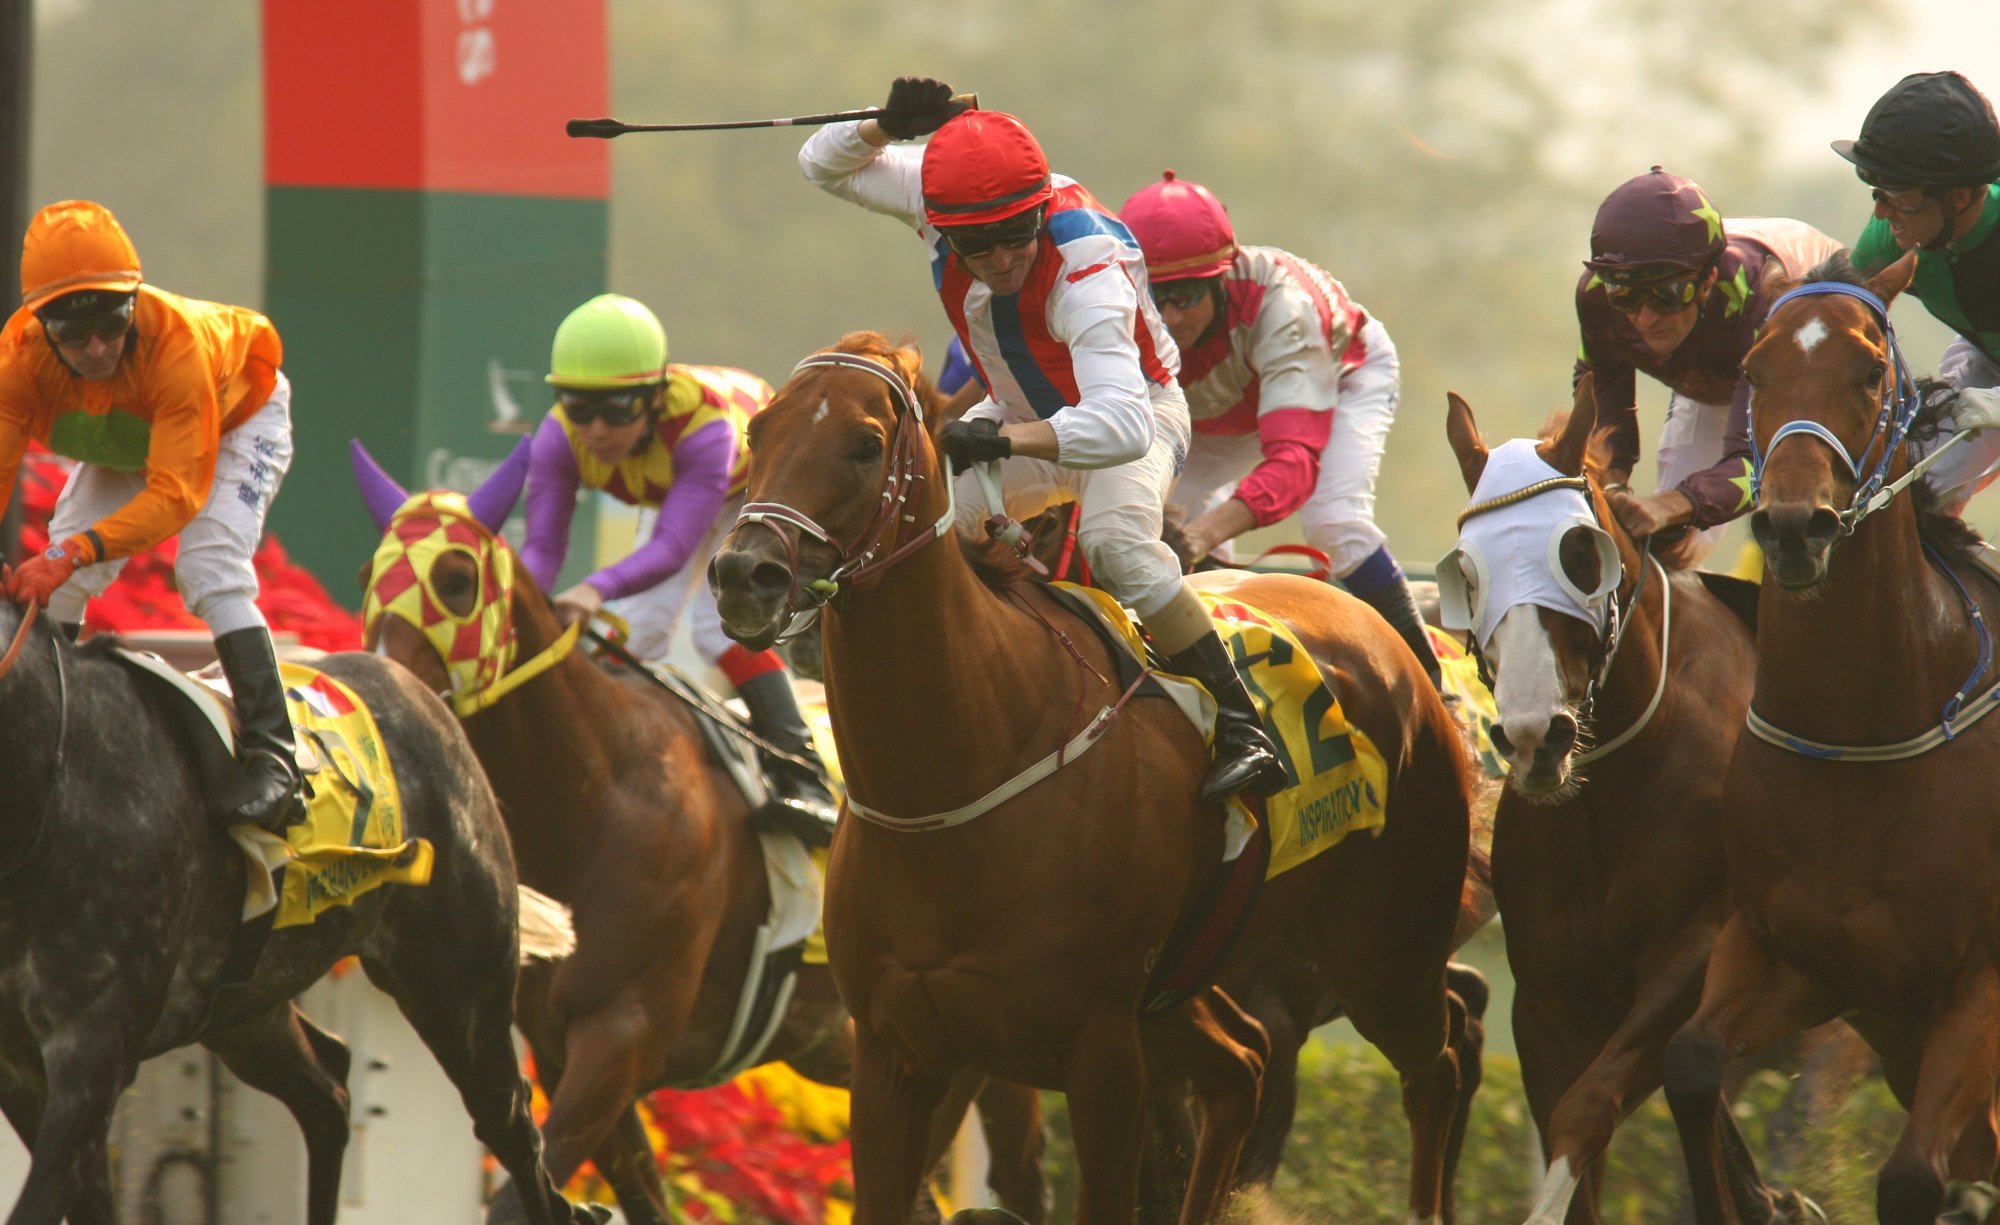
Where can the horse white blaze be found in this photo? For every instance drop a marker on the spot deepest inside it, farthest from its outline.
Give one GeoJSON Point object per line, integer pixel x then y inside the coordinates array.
{"type": "Point", "coordinates": [1527, 683]}
{"type": "Point", "coordinates": [1558, 1188]}
{"type": "Point", "coordinates": [1810, 335]}
{"type": "Point", "coordinates": [819, 414]}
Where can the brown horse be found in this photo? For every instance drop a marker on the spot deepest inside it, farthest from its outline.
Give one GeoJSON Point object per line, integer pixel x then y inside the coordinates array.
{"type": "Point", "coordinates": [1861, 846]}
{"type": "Point", "coordinates": [1606, 843]}
{"type": "Point", "coordinates": [617, 809]}
{"type": "Point", "coordinates": [1021, 942]}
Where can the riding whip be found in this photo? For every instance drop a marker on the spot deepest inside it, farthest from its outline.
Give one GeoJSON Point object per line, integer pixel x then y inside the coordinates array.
{"type": "Point", "coordinates": [605, 129]}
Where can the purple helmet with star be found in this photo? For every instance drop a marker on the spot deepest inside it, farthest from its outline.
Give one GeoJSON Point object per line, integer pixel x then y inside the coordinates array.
{"type": "Point", "coordinates": [1654, 225]}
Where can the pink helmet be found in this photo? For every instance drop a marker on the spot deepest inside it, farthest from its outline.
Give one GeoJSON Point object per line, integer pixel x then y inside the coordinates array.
{"type": "Point", "coordinates": [1182, 228]}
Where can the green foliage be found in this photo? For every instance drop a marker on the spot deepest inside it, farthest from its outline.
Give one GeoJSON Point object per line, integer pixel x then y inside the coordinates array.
{"type": "Point", "coordinates": [1349, 1153]}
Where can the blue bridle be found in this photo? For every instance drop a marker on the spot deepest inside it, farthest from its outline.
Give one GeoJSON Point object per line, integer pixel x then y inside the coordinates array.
{"type": "Point", "coordinates": [1899, 407]}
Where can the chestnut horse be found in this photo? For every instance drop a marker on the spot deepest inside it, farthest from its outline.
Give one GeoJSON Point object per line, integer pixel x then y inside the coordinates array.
{"type": "Point", "coordinates": [616, 809]}
{"type": "Point", "coordinates": [1860, 829]}
{"type": "Point", "coordinates": [1618, 713]}
{"type": "Point", "coordinates": [1021, 942]}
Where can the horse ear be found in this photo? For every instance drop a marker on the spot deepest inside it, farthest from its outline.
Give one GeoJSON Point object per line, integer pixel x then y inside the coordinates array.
{"type": "Point", "coordinates": [1894, 279]}
{"type": "Point", "coordinates": [494, 500]}
{"type": "Point", "coordinates": [379, 491]}
{"type": "Point", "coordinates": [1566, 453]}
{"type": "Point", "coordinates": [909, 362]}
{"type": "Point", "coordinates": [1463, 434]}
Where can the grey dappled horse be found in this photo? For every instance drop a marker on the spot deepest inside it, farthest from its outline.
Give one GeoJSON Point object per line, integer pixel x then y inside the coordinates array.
{"type": "Point", "coordinates": [120, 901]}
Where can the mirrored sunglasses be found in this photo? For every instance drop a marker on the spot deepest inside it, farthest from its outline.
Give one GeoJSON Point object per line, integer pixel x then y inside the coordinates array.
{"type": "Point", "coordinates": [971, 241]}
{"type": "Point", "coordinates": [613, 407]}
{"type": "Point", "coordinates": [1665, 297]}
{"type": "Point", "coordinates": [1183, 294]}
{"type": "Point", "coordinates": [79, 329]}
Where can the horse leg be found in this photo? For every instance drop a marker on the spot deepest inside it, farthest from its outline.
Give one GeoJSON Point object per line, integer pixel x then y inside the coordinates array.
{"type": "Point", "coordinates": [1221, 1050]}
{"type": "Point", "coordinates": [892, 1113]}
{"type": "Point", "coordinates": [632, 1171]}
{"type": "Point", "coordinates": [1104, 1078]}
{"type": "Point", "coordinates": [86, 1071]}
{"type": "Point", "coordinates": [1955, 1079]}
{"type": "Point", "coordinates": [1749, 1000]}
{"type": "Point", "coordinates": [1408, 1017]}
{"type": "Point", "coordinates": [284, 1054]}
{"type": "Point", "coordinates": [1011, 1116]}
{"type": "Point", "coordinates": [1467, 995]}
{"type": "Point", "coordinates": [456, 988]}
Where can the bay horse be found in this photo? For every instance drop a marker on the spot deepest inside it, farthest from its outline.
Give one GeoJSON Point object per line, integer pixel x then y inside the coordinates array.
{"type": "Point", "coordinates": [1621, 688]}
{"type": "Point", "coordinates": [122, 902]}
{"type": "Point", "coordinates": [617, 810]}
{"type": "Point", "coordinates": [1860, 831]}
{"type": "Point", "coordinates": [1021, 943]}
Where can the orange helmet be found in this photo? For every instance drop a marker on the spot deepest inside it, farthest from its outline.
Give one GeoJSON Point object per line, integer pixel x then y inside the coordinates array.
{"type": "Point", "coordinates": [72, 245]}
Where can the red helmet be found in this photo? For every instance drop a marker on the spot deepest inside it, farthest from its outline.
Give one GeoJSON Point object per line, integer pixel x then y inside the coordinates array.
{"type": "Point", "coordinates": [1182, 228]}
{"type": "Point", "coordinates": [982, 167]}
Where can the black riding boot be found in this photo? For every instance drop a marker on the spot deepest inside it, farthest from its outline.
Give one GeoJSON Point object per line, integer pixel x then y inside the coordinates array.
{"type": "Point", "coordinates": [268, 774]}
{"type": "Point", "coordinates": [800, 801]}
{"type": "Point", "coordinates": [1243, 758]}
{"type": "Point", "coordinates": [1399, 609]}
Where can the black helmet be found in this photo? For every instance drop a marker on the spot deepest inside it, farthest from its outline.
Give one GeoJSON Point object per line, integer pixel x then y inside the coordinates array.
{"type": "Point", "coordinates": [1933, 129]}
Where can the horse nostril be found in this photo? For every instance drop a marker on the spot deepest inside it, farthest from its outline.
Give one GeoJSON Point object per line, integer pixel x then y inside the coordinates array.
{"type": "Point", "coordinates": [770, 580]}
{"type": "Point", "coordinates": [1822, 528]}
{"type": "Point", "coordinates": [1498, 735]}
{"type": "Point", "coordinates": [1761, 530]}
{"type": "Point", "coordinates": [1561, 736]}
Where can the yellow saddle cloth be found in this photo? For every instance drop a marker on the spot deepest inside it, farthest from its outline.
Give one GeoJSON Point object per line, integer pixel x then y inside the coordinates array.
{"type": "Point", "coordinates": [1474, 708]}
{"type": "Point", "coordinates": [352, 839]}
{"type": "Point", "coordinates": [1340, 777]}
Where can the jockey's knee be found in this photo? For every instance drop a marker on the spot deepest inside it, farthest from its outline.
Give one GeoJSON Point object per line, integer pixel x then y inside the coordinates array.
{"type": "Point", "coordinates": [1141, 573]}
{"type": "Point", "coordinates": [225, 610]}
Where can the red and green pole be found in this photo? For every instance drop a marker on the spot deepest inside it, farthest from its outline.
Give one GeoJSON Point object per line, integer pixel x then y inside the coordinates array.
{"type": "Point", "coordinates": [428, 226]}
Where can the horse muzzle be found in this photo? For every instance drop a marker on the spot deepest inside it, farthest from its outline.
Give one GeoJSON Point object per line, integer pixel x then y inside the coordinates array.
{"type": "Point", "coordinates": [1542, 768]}
{"type": "Point", "coordinates": [1797, 539]}
{"type": "Point", "coordinates": [752, 591]}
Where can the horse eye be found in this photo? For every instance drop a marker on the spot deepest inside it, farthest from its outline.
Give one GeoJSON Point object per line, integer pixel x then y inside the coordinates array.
{"type": "Point", "coordinates": [868, 450]}
{"type": "Point", "coordinates": [454, 582]}
{"type": "Point", "coordinates": [1875, 372]}
{"type": "Point", "coordinates": [1579, 557]}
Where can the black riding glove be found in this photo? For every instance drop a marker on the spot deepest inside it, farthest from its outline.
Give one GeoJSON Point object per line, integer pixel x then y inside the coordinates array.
{"type": "Point", "coordinates": [917, 106]}
{"type": "Point", "coordinates": [974, 442]}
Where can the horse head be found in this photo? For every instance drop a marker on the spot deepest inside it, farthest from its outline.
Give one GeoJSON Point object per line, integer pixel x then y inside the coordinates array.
{"type": "Point", "coordinates": [440, 590]}
{"type": "Point", "coordinates": [1825, 365]}
{"type": "Point", "coordinates": [844, 480]}
{"type": "Point", "coordinates": [1536, 581]}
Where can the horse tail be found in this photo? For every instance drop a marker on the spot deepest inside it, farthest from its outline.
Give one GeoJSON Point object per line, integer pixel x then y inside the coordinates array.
{"type": "Point", "coordinates": [547, 933]}
{"type": "Point", "coordinates": [1476, 906]}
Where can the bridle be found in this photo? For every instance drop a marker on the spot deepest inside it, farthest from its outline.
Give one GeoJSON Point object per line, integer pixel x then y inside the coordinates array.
{"type": "Point", "coordinates": [861, 557]}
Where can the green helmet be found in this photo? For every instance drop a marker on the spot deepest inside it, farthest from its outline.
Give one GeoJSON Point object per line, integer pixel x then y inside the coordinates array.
{"type": "Point", "coordinates": [609, 341]}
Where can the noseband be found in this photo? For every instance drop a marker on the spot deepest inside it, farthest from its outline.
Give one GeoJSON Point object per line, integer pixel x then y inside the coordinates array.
{"type": "Point", "coordinates": [858, 558]}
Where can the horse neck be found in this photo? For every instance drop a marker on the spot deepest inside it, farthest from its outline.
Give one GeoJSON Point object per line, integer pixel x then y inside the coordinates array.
{"type": "Point", "coordinates": [1635, 674]}
{"type": "Point", "coordinates": [532, 734]}
{"type": "Point", "coordinates": [1872, 654]}
{"type": "Point", "coordinates": [30, 711]}
{"type": "Point", "coordinates": [926, 663]}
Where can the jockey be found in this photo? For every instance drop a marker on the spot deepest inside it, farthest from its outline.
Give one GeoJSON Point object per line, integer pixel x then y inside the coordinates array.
{"type": "Point", "coordinates": [670, 440]}
{"type": "Point", "coordinates": [1292, 388]}
{"type": "Point", "coordinates": [180, 420]}
{"type": "Point", "coordinates": [1047, 290]}
{"type": "Point", "coordinates": [1674, 290]}
{"type": "Point", "coordinates": [1930, 149]}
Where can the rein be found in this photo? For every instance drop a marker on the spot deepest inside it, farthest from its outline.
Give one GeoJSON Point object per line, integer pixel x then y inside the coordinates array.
{"type": "Point", "coordinates": [22, 857]}
{"type": "Point", "coordinates": [858, 558]}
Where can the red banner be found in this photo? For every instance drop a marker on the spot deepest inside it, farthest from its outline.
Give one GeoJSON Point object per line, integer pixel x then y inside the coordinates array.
{"type": "Point", "coordinates": [439, 95]}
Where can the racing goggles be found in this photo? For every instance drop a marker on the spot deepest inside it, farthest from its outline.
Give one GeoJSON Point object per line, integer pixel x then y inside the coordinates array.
{"type": "Point", "coordinates": [1902, 199]}
{"type": "Point", "coordinates": [613, 406]}
{"type": "Point", "coordinates": [1183, 294]}
{"type": "Point", "coordinates": [78, 329]}
{"type": "Point", "coordinates": [1666, 297]}
{"type": "Point", "coordinates": [972, 241]}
